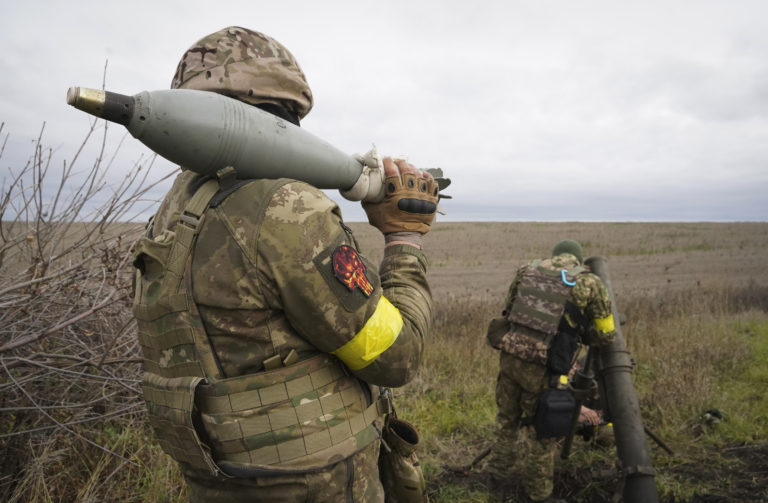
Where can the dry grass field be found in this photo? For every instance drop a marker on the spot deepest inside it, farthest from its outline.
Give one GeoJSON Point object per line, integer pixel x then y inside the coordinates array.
{"type": "Point", "coordinates": [471, 259]}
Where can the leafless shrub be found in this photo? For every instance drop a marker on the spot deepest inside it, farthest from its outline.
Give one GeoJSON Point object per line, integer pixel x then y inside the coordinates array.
{"type": "Point", "coordinates": [68, 357]}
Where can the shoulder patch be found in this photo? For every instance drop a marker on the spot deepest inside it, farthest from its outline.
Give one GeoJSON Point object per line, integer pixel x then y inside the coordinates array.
{"type": "Point", "coordinates": [348, 274]}
{"type": "Point", "coordinates": [348, 267]}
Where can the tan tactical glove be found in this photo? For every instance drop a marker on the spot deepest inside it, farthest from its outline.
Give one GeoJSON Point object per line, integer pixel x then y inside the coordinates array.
{"type": "Point", "coordinates": [410, 200]}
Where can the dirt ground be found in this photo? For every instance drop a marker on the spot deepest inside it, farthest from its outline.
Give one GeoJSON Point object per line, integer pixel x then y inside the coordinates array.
{"type": "Point", "coordinates": [744, 480]}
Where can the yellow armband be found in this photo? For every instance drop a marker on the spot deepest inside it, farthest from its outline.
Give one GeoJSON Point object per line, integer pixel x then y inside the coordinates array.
{"type": "Point", "coordinates": [376, 336]}
{"type": "Point", "coordinates": [605, 325]}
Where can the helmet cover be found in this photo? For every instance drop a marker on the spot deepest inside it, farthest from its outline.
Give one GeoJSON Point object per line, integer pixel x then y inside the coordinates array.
{"type": "Point", "coordinates": [248, 66]}
{"type": "Point", "coordinates": [569, 246]}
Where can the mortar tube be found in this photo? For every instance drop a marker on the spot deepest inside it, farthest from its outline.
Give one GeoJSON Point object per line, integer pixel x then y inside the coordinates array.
{"type": "Point", "coordinates": [616, 366]}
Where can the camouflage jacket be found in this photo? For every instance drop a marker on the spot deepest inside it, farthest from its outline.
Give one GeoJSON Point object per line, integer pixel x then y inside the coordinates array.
{"type": "Point", "coordinates": [589, 295]}
{"type": "Point", "coordinates": [264, 283]}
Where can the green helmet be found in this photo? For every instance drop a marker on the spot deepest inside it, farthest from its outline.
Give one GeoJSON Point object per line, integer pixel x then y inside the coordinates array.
{"type": "Point", "coordinates": [248, 66]}
{"type": "Point", "coordinates": [569, 246]}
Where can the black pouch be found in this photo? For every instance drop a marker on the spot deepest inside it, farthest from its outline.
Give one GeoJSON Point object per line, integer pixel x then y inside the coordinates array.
{"type": "Point", "coordinates": [560, 354]}
{"type": "Point", "coordinates": [554, 413]}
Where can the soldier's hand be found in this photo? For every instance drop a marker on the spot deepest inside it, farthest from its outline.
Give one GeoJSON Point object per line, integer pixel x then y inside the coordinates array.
{"type": "Point", "coordinates": [410, 199]}
{"type": "Point", "coordinates": [587, 415]}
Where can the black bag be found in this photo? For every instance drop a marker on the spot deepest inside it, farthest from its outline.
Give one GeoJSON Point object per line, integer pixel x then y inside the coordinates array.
{"type": "Point", "coordinates": [560, 354]}
{"type": "Point", "coordinates": [565, 344]}
{"type": "Point", "coordinates": [554, 413]}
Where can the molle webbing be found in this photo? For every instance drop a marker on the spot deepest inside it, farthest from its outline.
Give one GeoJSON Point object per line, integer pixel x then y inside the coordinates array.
{"type": "Point", "coordinates": [541, 296]}
{"type": "Point", "coordinates": [296, 418]}
{"type": "Point", "coordinates": [177, 354]}
{"type": "Point", "coordinates": [170, 330]}
{"type": "Point", "coordinates": [170, 404]}
{"type": "Point", "coordinates": [169, 344]}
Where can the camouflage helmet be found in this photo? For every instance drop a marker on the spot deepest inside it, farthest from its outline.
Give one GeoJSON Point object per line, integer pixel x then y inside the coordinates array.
{"type": "Point", "coordinates": [569, 246]}
{"type": "Point", "coordinates": [245, 65]}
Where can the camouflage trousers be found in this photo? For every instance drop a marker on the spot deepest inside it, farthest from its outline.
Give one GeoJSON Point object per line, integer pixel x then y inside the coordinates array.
{"type": "Point", "coordinates": [516, 451]}
{"type": "Point", "coordinates": [353, 480]}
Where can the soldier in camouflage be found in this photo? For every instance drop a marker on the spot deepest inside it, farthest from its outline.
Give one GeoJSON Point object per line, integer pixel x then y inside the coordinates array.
{"type": "Point", "coordinates": [546, 297]}
{"type": "Point", "coordinates": [268, 338]}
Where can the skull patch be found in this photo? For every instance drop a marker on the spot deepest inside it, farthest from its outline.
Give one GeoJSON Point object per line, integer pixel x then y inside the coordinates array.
{"type": "Point", "coordinates": [350, 270]}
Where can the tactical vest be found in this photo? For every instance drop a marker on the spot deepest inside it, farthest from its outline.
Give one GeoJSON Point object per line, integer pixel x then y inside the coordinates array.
{"type": "Point", "coordinates": [536, 311]}
{"type": "Point", "coordinates": [296, 418]}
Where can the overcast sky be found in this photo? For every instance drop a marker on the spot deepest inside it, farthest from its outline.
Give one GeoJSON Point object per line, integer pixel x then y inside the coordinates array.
{"type": "Point", "coordinates": [537, 110]}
